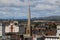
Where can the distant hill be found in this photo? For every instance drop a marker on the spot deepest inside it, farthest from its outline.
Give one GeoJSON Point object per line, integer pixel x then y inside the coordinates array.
{"type": "Point", "coordinates": [50, 18]}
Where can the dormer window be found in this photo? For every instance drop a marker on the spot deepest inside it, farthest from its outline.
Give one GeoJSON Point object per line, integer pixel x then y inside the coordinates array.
{"type": "Point", "coordinates": [15, 23]}
{"type": "Point", "coordinates": [59, 34]}
{"type": "Point", "coordinates": [58, 28]}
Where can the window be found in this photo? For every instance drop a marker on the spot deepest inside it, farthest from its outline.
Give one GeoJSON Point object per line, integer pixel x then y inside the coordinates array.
{"type": "Point", "coordinates": [59, 34]}
{"type": "Point", "coordinates": [15, 23]}
{"type": "Point", "coordinates": [58, 28]}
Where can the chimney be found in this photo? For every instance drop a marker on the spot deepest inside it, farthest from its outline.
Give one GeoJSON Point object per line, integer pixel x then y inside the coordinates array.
{"type": "Point", "coordinates": [11, 28]}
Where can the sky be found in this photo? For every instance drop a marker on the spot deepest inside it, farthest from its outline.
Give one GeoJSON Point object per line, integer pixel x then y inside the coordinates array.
{"type": "Point", "coordinates": [18, 9]}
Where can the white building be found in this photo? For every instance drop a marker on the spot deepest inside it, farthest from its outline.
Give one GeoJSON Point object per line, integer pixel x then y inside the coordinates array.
{"type": "Point", "coordinates": [58, 30]}
{"type": "Point", "coordinates": [0, 29]}
{"type": "Point", "coordinates": [15, 28]}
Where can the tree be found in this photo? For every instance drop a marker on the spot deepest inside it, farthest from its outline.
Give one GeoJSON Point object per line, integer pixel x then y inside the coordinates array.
{"type": "Point", "coordinates": [52, 25]}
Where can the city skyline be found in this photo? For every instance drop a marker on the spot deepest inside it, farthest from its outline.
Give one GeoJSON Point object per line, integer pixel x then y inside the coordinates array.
{"type": "Point", "coordinates": [19, 8]}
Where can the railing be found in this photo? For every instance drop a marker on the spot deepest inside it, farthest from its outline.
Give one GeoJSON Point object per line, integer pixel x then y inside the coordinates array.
{"type": "Point", "coordinates": [52, 38]}
{"type": "Point", "coordinates": [46, 38]}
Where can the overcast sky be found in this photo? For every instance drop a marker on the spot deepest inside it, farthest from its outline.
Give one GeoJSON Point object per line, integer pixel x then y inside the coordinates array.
{"type": "Point", "coordinates": [19, 8]}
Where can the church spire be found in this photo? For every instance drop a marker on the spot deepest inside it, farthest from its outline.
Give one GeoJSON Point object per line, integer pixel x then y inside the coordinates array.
{"type": "Point", "coordinates": [28, 31]}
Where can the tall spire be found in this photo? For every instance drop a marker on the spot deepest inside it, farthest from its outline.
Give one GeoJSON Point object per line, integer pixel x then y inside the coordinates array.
{"type": "Point", "coordinates": [28, 31]}
{"type": "Point", "coordinates": [29, 16]}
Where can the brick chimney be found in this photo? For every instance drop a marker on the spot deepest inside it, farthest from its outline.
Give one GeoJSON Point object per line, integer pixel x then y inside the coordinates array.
{"type": "Point", "coordinates": [11, 28]}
